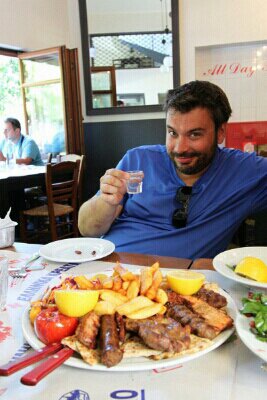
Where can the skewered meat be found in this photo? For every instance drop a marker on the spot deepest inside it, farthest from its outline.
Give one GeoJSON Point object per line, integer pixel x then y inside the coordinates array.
{"type": "Point", "coordinates": [218, 319]}
{"type": "Point", "coordinates": [174, 297]}
{"type": "Point", "coordinates": [209, 296]}
{"type": "Point", "coordinates": [163, 334]}
{"type": "Point", "coordinates": [111, 354]}
{"type": "Point", "coordinates": [121, 327]}
{"type": "Point", "coordinates": [185, 316]}
{"type": "Point", "coordinates": [87, 329]}
{"type": "Point", "coordinates": [212, 298]}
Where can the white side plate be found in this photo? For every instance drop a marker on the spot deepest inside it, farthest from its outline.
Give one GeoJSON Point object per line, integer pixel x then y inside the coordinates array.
{"type": "Point", "coordinates": [232, 257]}
{"type": "Point", "coordinates": [77, 250]}
{"type": "Point", "coordinates": [248, 338]}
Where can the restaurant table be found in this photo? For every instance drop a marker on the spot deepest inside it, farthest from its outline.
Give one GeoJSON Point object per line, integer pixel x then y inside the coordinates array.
{"type": "Point", "coordinates": [230, 372]}
{"type": "Point", "coordinates": [17, 178]}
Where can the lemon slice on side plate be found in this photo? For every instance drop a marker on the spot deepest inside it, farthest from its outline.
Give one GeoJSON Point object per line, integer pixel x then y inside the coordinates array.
{"type": "Point", "coordinates": [185, 282]}
{"type": "Point", "coordinates": [76, 303]}
{"type": "Point", "coordinates": [253, 268]}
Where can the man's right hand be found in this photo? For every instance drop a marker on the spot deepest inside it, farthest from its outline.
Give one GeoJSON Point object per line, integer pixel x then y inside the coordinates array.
{"type": "Point", "coordinates": [113, 186]}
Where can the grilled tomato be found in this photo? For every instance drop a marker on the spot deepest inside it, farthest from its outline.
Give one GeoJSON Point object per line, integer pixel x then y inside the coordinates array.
{"type": "Point", "coordinates": [51, 326]}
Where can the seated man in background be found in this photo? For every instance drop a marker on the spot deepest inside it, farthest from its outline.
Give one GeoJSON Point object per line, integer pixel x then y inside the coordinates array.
{"type": "Point", "coordinates": [24, 148]}
{"type": "Point", "coordinates": [195, 194]}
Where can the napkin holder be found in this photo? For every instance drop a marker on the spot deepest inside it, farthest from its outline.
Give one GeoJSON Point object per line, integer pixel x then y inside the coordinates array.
{"type": "Point", "coordinates": [7, 231]}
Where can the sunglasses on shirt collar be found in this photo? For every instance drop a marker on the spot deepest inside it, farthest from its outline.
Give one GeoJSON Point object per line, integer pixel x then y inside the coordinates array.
{"type": "Point", "coordinates": [179, 217]}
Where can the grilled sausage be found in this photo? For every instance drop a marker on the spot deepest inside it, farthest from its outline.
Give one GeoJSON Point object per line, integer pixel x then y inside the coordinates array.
{"type": "Point", "coordinates": [111, 354]}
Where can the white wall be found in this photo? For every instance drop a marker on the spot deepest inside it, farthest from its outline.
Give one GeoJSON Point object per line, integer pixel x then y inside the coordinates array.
{"type": "Point", "coordinates": [212, 22]}
{"type": "Point", "coordinates": [33, 24]}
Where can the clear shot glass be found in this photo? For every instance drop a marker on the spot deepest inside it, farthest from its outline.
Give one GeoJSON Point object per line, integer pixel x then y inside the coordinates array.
{"type": "Point", "coordinates": [134, 183]}
{"type": "Point", "coordinates": [3, 282]}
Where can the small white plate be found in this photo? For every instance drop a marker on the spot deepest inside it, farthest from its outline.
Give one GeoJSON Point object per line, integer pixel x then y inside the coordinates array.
{"type": "Point", "coordinates": [233, 257]}
{"type": "Point", "coordinates": [77, 250]}
{"type": "Point", "coordinates": [248, 338]}
{"type": "Point", "coordinates": [128, 364]}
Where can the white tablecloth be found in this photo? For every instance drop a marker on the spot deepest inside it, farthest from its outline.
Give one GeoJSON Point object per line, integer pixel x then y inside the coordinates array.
{"type": "Point", "coordinates": [20, 170]}
{"type": "Point", "coordinates": [231, 372]}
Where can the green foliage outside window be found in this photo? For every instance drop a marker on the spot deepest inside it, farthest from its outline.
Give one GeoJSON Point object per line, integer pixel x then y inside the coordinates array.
{"type": "Point", "coordinates": [10, 96]}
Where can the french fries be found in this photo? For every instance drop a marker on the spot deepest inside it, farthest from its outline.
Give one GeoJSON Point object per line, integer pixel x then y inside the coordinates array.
{"type": "Point", "coordinates": [113, 297]}
{"type": "Point", "coordinates": [117, 283]}
{"type": "Point", "coordinates": [134, 305]}
{"type": "Point", "coordinates": [161, 296]}
{"type": "Point", "coordinates": [83, 283]}
{"type": "Point", "coordinates": [152, 291]}
{"type": "Point", "coordinates": [146, 279]}
{"type": "Point", "coordinates": [146, 312]}
{"type": "Point", "coordinates": [136, 296]}
{"type": "Point", "coordinates": [124, 273]}
{"type": "Point", "coordinates": [133, 289]}
{"type": "Point", "coordinates": [104, 307]}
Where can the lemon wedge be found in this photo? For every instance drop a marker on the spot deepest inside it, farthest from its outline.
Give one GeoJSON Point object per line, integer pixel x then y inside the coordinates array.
{"type": "Point", "coordinates": [185, 282]}
{"type": "Point", "coordinates": [253, 268]}
{"type": "Point", "coordinates": [76, 303]}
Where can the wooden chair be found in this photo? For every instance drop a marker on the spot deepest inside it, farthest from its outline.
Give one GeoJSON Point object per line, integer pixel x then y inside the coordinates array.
{"type": "Point", "coordinates": [75, 157]}
{"type": "Point", "coordinates": [59, 216]}
{"type": "Point", "coordinates": [34, 196]}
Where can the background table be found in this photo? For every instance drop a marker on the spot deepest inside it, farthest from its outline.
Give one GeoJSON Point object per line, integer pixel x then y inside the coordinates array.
{"type": "Point", "coordinates": [16, 179]}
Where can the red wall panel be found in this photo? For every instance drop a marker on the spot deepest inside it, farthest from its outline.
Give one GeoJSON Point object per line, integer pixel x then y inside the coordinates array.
{"type": "Point", "coordinates": [239, 133]}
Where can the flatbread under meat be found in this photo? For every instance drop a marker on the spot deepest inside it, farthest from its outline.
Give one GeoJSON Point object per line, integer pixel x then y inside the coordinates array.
{"type": "Point", "coordinates": [90, 356]}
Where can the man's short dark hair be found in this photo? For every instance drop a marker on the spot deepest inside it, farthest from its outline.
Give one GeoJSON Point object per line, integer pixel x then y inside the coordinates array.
{"type": "Point", "coordinates": [200, 94]}
{"type": "Point", "coordinates": [14, 122]}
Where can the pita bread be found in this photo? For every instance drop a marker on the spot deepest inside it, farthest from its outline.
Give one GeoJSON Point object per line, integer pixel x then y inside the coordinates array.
{"type": "Point", "coordinates": [90, 356]}
{"type": "Point", "coordinates": [134, 347]}
{"type": "Point", "coordinates": [70, 341]}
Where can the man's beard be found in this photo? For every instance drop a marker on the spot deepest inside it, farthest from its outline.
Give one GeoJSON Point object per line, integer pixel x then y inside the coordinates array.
{"type": "Point", "coordinates": [202, 162]}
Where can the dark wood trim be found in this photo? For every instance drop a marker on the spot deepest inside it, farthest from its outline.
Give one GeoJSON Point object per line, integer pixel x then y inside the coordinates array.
{"type": "Point", "coordinates": [112, 90]}
{"type": "Point", "coordinates": [176, 43]}
{"type": "Point", "coordinates": [9, 52]}
{"type": "Point", "coordinates": [85, 55]}
{"type": "Point", "coordinates": [125, 33]}
{"type": "Point", "coordinates": [86, 66]}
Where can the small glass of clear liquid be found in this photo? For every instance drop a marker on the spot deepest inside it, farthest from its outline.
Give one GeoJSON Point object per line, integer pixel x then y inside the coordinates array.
{"type": "Point", "coordinates": [134, 183]}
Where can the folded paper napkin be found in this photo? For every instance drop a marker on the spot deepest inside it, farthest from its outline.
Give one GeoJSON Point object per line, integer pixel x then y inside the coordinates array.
{"type": "Point", "coordinates": [7, 221]}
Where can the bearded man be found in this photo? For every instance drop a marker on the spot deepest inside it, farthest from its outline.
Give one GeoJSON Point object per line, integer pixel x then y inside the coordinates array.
{"type": "Point", "coordinates": [195, 194]}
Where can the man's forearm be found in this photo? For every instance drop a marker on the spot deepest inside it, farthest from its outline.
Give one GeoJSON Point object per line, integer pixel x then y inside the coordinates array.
{"type": "Point", "coordinates": [96, 217]}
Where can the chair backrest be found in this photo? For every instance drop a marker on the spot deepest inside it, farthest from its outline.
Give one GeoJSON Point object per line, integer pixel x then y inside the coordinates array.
{"type": "Point", "coordinates": [73, 158]}
{"type": "Point", "coordinates": [62, 184]}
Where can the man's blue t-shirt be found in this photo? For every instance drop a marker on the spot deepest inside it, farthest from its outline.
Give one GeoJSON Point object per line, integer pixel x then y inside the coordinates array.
{"type": "Point", "coordinates": [25, 147]}
{"type": "Point", "coordinates": [234, 186]}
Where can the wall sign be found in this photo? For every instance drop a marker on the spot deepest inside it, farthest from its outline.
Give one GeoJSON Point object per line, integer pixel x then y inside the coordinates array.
{"type": "Point", "coordinates": [241, 71]}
